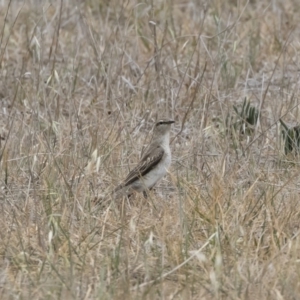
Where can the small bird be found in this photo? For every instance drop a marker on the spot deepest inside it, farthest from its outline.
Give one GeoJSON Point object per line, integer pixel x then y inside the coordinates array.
{"type": "Point", "coordinates": [154, 163]}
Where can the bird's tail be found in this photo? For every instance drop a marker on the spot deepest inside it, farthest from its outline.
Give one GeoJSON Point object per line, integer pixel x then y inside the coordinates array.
{"type": "Point", "coordinates": [119, 192]}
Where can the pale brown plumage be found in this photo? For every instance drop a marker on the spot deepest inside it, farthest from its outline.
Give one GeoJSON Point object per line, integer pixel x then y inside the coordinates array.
{"type": "Point", "coordinates": [153, 164]}
{"type": "Point", "coordinates": [146, 164]}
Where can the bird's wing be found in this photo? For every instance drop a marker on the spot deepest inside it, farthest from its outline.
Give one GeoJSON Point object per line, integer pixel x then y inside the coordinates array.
{"type": "Point", "coordinates": [147, 163]}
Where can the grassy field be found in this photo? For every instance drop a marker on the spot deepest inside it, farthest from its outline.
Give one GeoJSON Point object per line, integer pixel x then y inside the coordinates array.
{"type": "Point", "coordinates": [81, 85]}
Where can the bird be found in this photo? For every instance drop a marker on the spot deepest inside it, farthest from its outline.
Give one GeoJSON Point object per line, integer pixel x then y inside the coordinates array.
{"type": "Point", "coordinates": [153, 165]}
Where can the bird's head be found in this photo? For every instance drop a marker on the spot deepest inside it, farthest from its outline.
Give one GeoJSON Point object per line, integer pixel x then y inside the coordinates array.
{"type": "Point", "coordinates": [163, 126]}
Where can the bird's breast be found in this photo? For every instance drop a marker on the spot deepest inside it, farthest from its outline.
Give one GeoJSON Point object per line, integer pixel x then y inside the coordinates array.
{"type": "Point", "coordinates": [158, 172]}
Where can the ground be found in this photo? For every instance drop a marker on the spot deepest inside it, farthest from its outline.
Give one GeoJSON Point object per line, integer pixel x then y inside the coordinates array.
{"type": "Point", "coordinates": [81, 85]}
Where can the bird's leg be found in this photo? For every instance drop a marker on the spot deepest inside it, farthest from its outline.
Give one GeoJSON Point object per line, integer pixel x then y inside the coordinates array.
{"type": "Point", "coordinates": [129, 195]}
{"type": "Point", "coordinates": [146, 192]}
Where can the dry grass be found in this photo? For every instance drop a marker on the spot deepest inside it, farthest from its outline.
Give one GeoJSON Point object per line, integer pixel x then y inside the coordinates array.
{"type": "Point", "coordinates": [82, 83]}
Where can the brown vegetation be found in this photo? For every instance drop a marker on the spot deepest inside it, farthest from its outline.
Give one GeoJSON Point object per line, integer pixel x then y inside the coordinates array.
{"type": "Point", "coordinates": [82, 82]}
